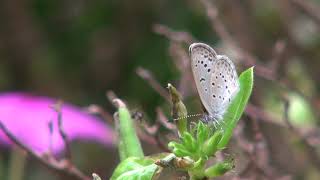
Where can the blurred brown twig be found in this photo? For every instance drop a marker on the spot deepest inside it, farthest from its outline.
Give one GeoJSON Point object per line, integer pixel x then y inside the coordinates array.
{"type": "Point", "coordinates": [149, 134]}
{"type": "Point", "coordinates": [178, 37]}
{"type": "Point", "coordinates": [58, 108]}
{"type": "Point", "coordinates": [247, 58]}
{"type": "Point", "coordinates": [148, 76]}
{"type": "Point", "coordinates": [310, 8]}
{"type": "Point", "coordinates": [96, 109]}
{"type": "Point", "coordinates": [65, 165]}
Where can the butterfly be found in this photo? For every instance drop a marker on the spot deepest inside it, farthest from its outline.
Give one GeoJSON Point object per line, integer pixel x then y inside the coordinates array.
{"type": "Point", "coordinates": [216, 80]}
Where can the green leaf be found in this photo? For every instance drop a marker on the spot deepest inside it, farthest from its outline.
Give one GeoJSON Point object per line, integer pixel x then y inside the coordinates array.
{"type": "Point", "coordinates": [181, 152]}
{"type": "Point", "coordinates": [219, 168]}
{"type": "Point", "coordinates": [175, 145]}
{"type": "Point", "coordinates": [129, 144]}
{"type": "Point", "coordinates": [202, 133]}
{"type": "Point", "coordinates": [237, 106]}
{"type": "Point", "coordinates": [134, 168]}
{"type": "Point", "coordinates": [189, 142]}
{"type": "Point", "coordinates": [210, 146]}
{"type": "Point", "coordinates": [197, 171]}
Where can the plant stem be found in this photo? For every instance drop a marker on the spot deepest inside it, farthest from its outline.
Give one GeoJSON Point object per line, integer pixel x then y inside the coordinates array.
{"type": "Point", "coordinates": [129, 145]}
{"type": "Point", "coordinates": [179, 110]}
{"type": "Point", "coordinates": [17, 164]}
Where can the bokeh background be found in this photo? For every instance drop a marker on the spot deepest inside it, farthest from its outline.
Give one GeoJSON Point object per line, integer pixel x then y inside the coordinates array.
{"type": "Point", "coordinates": [77, 50]}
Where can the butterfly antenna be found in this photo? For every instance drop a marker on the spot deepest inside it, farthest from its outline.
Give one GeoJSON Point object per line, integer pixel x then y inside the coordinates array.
{"type": "Point", "coordinates": [188, 116]}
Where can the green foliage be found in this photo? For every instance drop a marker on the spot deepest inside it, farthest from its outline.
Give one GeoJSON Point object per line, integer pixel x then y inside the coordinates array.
{"type": "Point", "coordinates": [210, 147]}
{"type": "Point", "coordinates": [195, 147]}
{"type": "Point", "coordinates": [129, 144]}
{"type": "Point", "coordinates": [202, 145]}
{"type": "Point", "coordinates": [237, 106]}
{"type": "Point", "coordinates": [202, 142]}
{"type": "Point", "coordinates": [219, 168]}
{"type": "Point", "coordinates": [133, 163]}
{"type": "Point", "coordinates": [135, 168]}
{"type": "Point", "coordinates": [199, 147]}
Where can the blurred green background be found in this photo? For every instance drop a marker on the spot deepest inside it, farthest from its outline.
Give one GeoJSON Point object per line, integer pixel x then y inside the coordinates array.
{"type": "Point", "coordinates": [76, 50]}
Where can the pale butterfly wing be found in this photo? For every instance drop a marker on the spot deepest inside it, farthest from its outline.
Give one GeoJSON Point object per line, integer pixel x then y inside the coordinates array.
{"type": "Point", "coordinates": [202, 58]}
{"type": "Point", "coordinates": [224, 85]}
{"type": "Point", "coordinates": [216, 79]}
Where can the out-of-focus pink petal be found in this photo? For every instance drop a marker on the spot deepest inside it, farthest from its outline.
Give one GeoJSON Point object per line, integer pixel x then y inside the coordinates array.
{"type": "Point", "coordinates": [27, 118]}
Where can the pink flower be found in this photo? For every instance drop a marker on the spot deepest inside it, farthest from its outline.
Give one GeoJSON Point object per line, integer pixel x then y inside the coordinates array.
{"type": "Point", "coordinates": [27, 117]}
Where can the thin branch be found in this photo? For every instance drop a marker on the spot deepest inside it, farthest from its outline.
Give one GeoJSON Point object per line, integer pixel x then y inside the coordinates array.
{"type": "Point", "coordinates": [149, 134]}
{"type": "Point", "coordinates": [96, 109]}
{"type": "Point", "coordinates": [261, 150]}
{"type": "Point", "coordinates": [258, 113]}
{"type": "Point", "coordinates": [151, 130]}
{"type": "Point", "coordinates": [277, 55]}
{"type": "Point", "coordinates": [256, 151]}
{"type": "Point", "coordinates": [182, 61]}
{"type": "Point", "coordinates": [163, 120]}
{"type": "Point", "coordinates": [50, 128]}
{"type": "Point", "coordinates": [247, 58]}
{"type": "Point", "coordinates": [145, 135]}
{"type": "Point", "coordinates": [179, 56]}
{"type": "Point", "coordinates": [111, 96]}
{"type": "Point", "coordinates": [176, 36]}
{"type": "Point", "coordinates": [57, 107]}
{"type": "Point", "coordinates": [311, 135]}
{"type": "Point", "coordinates": [242, 142]}
{"type": "Point", "coordinates": [247, 147]}
{"type": "Point", "coordinates": [148, 76]}
{"type": "Point", "coordinates": [310, 8]}
{"type": "Point", "coordinates": [153, 133]}
{"type": "Point", "coordinates": [48, 161]}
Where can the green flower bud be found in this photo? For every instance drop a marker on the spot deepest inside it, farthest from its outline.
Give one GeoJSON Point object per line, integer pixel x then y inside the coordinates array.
{"type": "Point", "coordinates": [189, 142]}
{"type": "Point", "coordinates": [219, 169]}
{"type": "Point", "coordinates": [211, 145]}
{"type": "Point", "coordinates": [175, 145]}
{"type": "Point", "coordinates": [199, 164]}
{"type": "Point", "coordinates": [181, 152]}
{"type": "Point", "coordinates": [202, 133]}
{"type": "Point", "coordinates": [179, 110]}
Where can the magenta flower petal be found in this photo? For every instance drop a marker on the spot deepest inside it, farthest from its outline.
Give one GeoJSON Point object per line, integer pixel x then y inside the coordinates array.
{"type": "Point", "coordinates": [27, 118]}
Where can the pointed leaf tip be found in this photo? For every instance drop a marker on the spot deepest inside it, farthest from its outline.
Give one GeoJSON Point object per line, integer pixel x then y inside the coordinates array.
{"type": "Point", "coordinates": [237, 106]}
